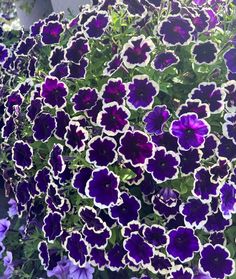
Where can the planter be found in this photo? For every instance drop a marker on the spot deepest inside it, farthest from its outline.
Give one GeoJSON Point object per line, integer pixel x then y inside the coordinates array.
{"type": "Point", "coordinates": [68, 6]}
{"type": "Point", "coordinates": [30, 11]}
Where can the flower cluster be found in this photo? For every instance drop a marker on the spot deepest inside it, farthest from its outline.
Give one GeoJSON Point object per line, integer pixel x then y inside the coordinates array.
{"type": "Point", "coordinates": [118, 146]}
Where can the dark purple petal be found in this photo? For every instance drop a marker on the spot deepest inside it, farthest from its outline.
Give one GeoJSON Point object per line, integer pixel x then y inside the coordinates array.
{"type": "Point", "coordinates": [43, 179]}
{"type": "Point", "coordinates": [205, 52]}
{"type": "Point", "coordinates": [135, 148]}
{"type": "Point", "coordinates": [227, 149]}
{"type": "Point", "coordinates": [96, 25]}
{"type": "Point", "coordinates": [84, 99]}
{"type": "Point", "coordinates": [229, 58]}
{"type": "Point", "coordinates": [77, 249]}
{"type": "Point", "coordinates": [160, 264]}
{"type": "Point", "coordinates": [209, 147]}
{"type": "Point", "coordinates": [228, 200]}
{"type": "Point", "coordinates": [22, 155]}
{"type": "Point", "coordinates": [54, 92]}
{"type": "Point", "coordinates": [56, 160]}
{"type": "Point", "coordinates": [43, 253]}
{"type": "Point", "coordinates": [189, 160]}
{"type": "Point", "coordinates": [77, 49]}
{"type": "Point", "coordinates": [209, 93]}
{"type": "Point", "coordinates": [101, 151]}
{"type": "Point", "coordinates": [113, 65]}
{"type": "Point", "coordinates": [57, 56]}
{"type": "Point", "coordinates": [52, 226]}
{"type": "Point", "coordinates": [80, 179]}
{"type": "Point", "coordinates": [103, 188]}
{"type": "Point", "coordinates": [25, 46]}
{"type": "Point", "coordinates": [164, 60]}
{"type": "Point", "coordinates": [216, 262]}
{"type": "Point", "coordinates": [34, 109]}
{"type": "Point", "coordinates": [113, 118]}
{"type": "Point", "coordinates": [176, 30]}
{"type": "Point", "coordinates": [155, 235]}
{"type": "Point", "coordinates": [8, 128]}
{"type": "Point", "coordinates": [141, 92]}
{"type": "Point", "coordinates": [98, 239]}
{"type": "Point", "coordinates": [89, 216]}
{"type": "Point", "coordinates": [163, 166]}
{"type": "Point", "coordinates": [62, 121]}
{"type": "Point", "coordinates": [137, 52]}
{"type": "Point", "coordinates": [51, 32]}
{"type": "Point", "coordinates": [78, 71]}
{"type": "Point", "coordinates": [98, 258]}
{"type": "Point", "coordinates": [202, 110]}
{"type": "Point", "coordinates": [126, 210]}
{"type": "Point", "coordinates": [216, 222]}
{"type": "Point", "coordinates": [43, 126]}
{"type": "Point", "coordinates": [3, 53]}
{"type": "Point", "coordinates": [182, 244]}
{"type": "Point", "coordinates": [113, 91]}
{"type": "Point", "coordinates": [75, 136]}
{"type": "Point", "coordinates": [195, 213]}
{"type": "Point", "coordinates": [115, 256]}
{"type": "Point", "coordinates": [138, 249]}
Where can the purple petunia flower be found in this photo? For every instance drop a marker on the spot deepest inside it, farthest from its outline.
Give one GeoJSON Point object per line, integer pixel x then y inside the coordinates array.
{"type": "Point", "coordinates": [189, 160]}
{"type": "Point", "coordinates": [34, 109]}
{"type": "Point", "coordinates": [202, 110]}
{"type": "Point", "coordinates": [43, 253]}
{"type": "Point", "coordinates": [96, 25]}
{"type": "Point", "coordinates": [163, 166]}
{"type": "Point", "coordinates": [155, 235]}
{"type": "Point", "coordinates": [227, 149]}
{"type": "Point", "coordinates": [116, 257]}
{"type": "Point", "coordinates": [13, 210]}
{"type": "Point", "coordinates": [42, 179]}
{"type": "Point", "coordinates": [101, 151]}
{"type": "Point", "coordinates": [51, 32]}
{"type": "Point", "coordinates": [229, 58]}
{"type": "Point", "coordinates": [135, 148]}
{"type": "Point", "coordinates": [141, 92]}
{"type": "Point", "coordinates": [164, 60]}
{"type": "Point", "coordinates": [160, 264]}
{"type": "Point", "coordinates": [217, 222]}
{"type": "Point", "coordinates": [137, 52]}
{"type": "Point", "coordinates": [204, 188]}
{"type": "Point", "coordinates": [98, 258]}
{"type": "Point", "coordinates": [84, 99]}
{"type": "Point", "coordinates": [113, 118]}
{"type": "Point", "coordinates": [113, 91]}
{"type": "Point", "coordinates": [228, 200]}
{"type": "Point", "coordinates": [89, 216]}
{"type": "Point", "coordinates": [182, 244]}
{"type": "Point", "coordinates": [7, 262]}
{"type": "Point", "coordinates": [209, 93]}
{"type": "Point", "coordinates": [62, 121]}
{"type": "Point", "coordinates": [80, 179]}
{"type": "Point", "coordinates": [4, 227]}
{"type": "Point", "coordinates": [76, 248]}
{"type": "Point", "coordinates": [220, 170]}
{"type": "Point", "coordinates": [139, 251]}
{"type": "Point", "coordinates": [113, 65]}
{"type": "Point", "coordinates": [43, 127]}
{"type": "Point", "coordinates": [77, 49]}
{"type": "Point", "coordinates": [195, 213]}
{"type": "Point", "coordinates": [8, 128]}
{"type": "Point", "coordinates": [77, 272]}
{"type": "Point", "coordinates": [190, 131]}
{"type": "Point", "coordinates": [98, 239]}
{"type": "Point", "coordinates": [156, 119]}
{"type": "Point", "coordinates": [54, 92]}
{"type": "Point", "coordinates": [103, 188]}
{"type": "Point", "coordinates": [205, 52]}
{"type": "Point", "coordinates": [75, 136]}
{"type": "Point", "coordinates": [176, 30]}
{"type": "Point", "coordinates": [216, 262]}
{"type": "Point", "coordinates": [57, 56]}
{"type": "Point", "coordinates": [126, 210]}
{"type": "Point", "coordinates": [56, 160]}
{"type": "Point", "coordinates": [22, 155]}
{"type": "Point", "coordinates": [25, 46]}
{"type": "Point", "coordinates": [52, 226]}
{"type": "Point", "coordinates": [210, 146]}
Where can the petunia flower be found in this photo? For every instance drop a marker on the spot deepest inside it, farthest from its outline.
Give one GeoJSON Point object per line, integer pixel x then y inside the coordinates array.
{"type": "Point", "coordinates": [141, 92]}
{"type": "Point", "coordinates": [54, 92]}
{"type": "Point", "coordinates": [164, 60]}
{"type": "Point", "coordinates": [216, 262]}
{"type": "Point", "coordinates": [190, 131]}
{"type": "Point", "coordinates": [22, 155]}
{"type": "Point", "coordinates": [175, 30]}
{"type": "Point", "coordinates": [155, 120]}
{"type": "Point", "coordinates": [182, 244]}
{"type": "Point", "coordinates": [103, 188]}
{"type": "Point", "coordinates": [205, 52]}
{"type": "Point", "coordinates": [84, 99]}
{"type": "Point", "coordinates": [135, 148]}
{"type": "Point", "coordinates": [209, 93]}
{"type": "Point", "coordinates": [229, 57]}
{"type": "Point", "coordinates": [51, 32]}
{"type": "Point", "coordinates": [113, 119]}
{"type": "Point", "coordinates": [136, 52]}
{"type": "Point", "coordinates": [163, 166]}
{"type": "Point", "coordinates": [96, 25]}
